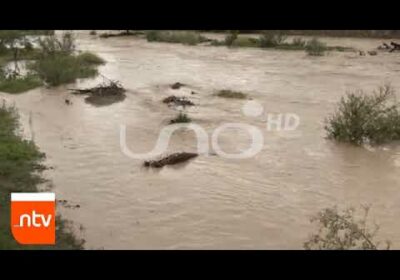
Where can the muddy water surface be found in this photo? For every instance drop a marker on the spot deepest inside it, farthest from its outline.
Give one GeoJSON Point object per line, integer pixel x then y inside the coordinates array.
{"type": "Point", "coordinates": [211, 202]}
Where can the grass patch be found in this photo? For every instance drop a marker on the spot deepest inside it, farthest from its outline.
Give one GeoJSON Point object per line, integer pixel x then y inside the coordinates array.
{"type": "Point", "coordinates": [183, 37]}
{"type": "Point", "coordinates": [90, 58]}
{"type": "Point", "coordinates": [271, 39]}
{"type": "Point", "coordinates": [314, 47]}
{"type": "Point", "coordinates": [20, 166]}
{"type": "Point", "coordinates": [362, 118]}
{"type": "Point", "coordinates": [37, 32]}
{"type": "Point", "coordinates": [54, 63]}
{"type": "Point", "coordinates": [246, 42]}
{"type": "Point", "coordinates": [19, 84]}
{"type": "Point", "coordinates": [122, 34]}
{"type": "Point", "coordinates": [181, 118]}
{"type": "Point", "coordinates": [231, 94]}
{"type": "Point", "coordinates": [63, 69]}
{"type": "Point", "coordinates": [57, 63]}
{"type": "Point", "coordinates": [230, 38]}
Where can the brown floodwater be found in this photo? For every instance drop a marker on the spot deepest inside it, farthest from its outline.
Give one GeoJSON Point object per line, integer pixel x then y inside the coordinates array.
{"type": "Point", "coordinates": [212, 202]}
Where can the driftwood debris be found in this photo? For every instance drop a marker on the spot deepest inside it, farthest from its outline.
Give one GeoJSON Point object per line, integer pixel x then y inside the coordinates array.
{"type": "Point", "coordinates": [391, 48]}
{"type": "Point", "coordinates": [65, 203]}
{"type": "Point", "coordinates": [178, 101]}
{"type": "Point", "coordinates": [395, 46]}
{"type": "Point", "coordinates": [177, 85]}
{"type": "Point", "coordinates": [103, 94]}
{"type": "Point", "coordinates": [170, 160]}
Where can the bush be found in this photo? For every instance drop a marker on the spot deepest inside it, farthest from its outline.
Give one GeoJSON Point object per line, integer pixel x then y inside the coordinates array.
{"type": "Point", "coordinates": [62, 69]}
{"type": "Point", "coordinates": [342, 231]}
{"type": "Point", "coordinates": [90, 58]}
{"type": "Point", "coordinates": [231, 94]}
{"type": "Point", "coordinates": [271, 39]}
{"type": "Point", "coordinates": [52, 45]}
{"type": "Point", "coordinates": [57, 64]}
{"type": "Point", "coordinates": [183, 37]}
{"type": "Point", "coordinates": [299, 42]}
{"type": "Point", "coordinates": [181, 118]}
{"type": "Point", "coordinates": [361, 118]}
{"type": "Point", "coordinates": [231, 37]}
{"type": "Point", "coordinates": [245, 42]}
{"type": "Point", "coordinates": [315, 47]}
{"type": "Point", "coordinates": [19, 84]}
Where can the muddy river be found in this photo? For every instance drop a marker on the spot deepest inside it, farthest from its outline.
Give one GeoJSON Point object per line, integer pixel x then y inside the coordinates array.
{"type": "Point", "coordinates": [213, 202]}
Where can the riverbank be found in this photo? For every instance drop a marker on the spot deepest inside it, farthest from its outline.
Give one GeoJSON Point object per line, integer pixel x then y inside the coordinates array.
{"type": "Point", "coordinates": [20, 167]}
{"type": "Point", "coordinates": [329, 33]}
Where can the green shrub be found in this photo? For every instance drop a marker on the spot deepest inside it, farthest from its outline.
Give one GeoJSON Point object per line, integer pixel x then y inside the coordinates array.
{"type": "Point", "coordinates": [362, 118]}
{"type": "Point", "coordinates": [271, 39]}
{"type": "Point", "coordinates": [90, 58]}
{"type": "Point", "coordinates": [62, 69]}
{"type": "Point", "coordinates": [246, 42]}
{"type": "Point", "coordinates": [181, 118]}
{"type": "Point", "coordinates": [20, 166]}
{"type": "Point", "coordinates": [299, 42]}
{"type": "Point", "coordinates": [52, 45]}
{"type": "Point", "coordinates": [315, 47]}
{"type": "Point", "coordinates": [20, 83]}
{"type": "Point", "coordinates": [231, 37]}
{"type": "Point", "coordinates": [183, 37]}
{"type": "Point", "coordinates": [342, 231]}
{"type": "Point", "coordinates": [231, 94]}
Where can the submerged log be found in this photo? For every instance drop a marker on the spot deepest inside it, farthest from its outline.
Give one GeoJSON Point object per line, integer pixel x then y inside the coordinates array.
{"type": "Point", "coordinates": [178, 101]}
{"type": "Point", "coordinates": [391, 48]}
{"type": "Point", "coordinates": [170, 160]}
{"type": "Point", "coordinates": [177, 85]}
{"type": "Point", "coordinates": [103, 94]}
{"type": "Point", "coordinates": [395, 47]}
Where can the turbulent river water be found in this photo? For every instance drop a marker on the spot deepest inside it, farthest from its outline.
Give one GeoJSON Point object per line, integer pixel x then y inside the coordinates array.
{"type": "Point", "coordinates": [212, 202]}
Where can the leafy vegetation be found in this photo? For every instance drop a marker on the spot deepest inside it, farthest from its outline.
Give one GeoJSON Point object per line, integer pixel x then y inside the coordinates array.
{"type": "Point", "coordinates": [181, 118]}
{"type": "Point", "coordinates": [272, 39]}
{"type": "Point", "coordinates": [362, 118]}
{"type": "Point", "coordinates": [231, 37]}
{"type": "Point", "coordinates": [55, 62]}
{"type": "Point", "coordinates": [342, 231]}
{"type": "Point", "coordinates": [315, 47]}
{"type": "Point", "coordinates": [20, 166]}
{"type": "Point", "coordinates": [231, 94]}
{"type": "Point", "coordinates": [58, 64]}
{"type": "Point", "coordinates": [183, 37]}
{"type": "Point", "coordinates": [19, 84]}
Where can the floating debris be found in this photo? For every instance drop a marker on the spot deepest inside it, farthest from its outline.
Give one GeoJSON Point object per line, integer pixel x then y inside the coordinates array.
{"type": "Point", "coordinates": [177, 85]}
{"type": "Point", "coordinates": [170, 160]}
{"type": "Point", "coordinates": [66, 204]}
{"type": "Point", "coordinates": [178, 101]}
{"type": "Point", "coordinates": [391, 48]}
{"type": "Point", "coordinates": [103, 94]}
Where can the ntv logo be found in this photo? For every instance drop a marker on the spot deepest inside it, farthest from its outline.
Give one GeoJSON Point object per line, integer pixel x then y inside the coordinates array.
{"type": "Point", "coordinates": [33, 218]}
{"type": "Point", "coordinates": [274, 122]}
